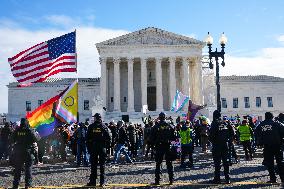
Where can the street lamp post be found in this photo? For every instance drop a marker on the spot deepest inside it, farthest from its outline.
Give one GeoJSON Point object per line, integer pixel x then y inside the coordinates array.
{"type": "Point", "coordinates": [215, 54]}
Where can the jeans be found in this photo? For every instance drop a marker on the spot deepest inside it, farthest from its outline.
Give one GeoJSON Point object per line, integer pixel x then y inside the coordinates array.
{"type": "Point", "coordinates": [121, 148]}
{"type": "Point", "coordinates": [82, 150]}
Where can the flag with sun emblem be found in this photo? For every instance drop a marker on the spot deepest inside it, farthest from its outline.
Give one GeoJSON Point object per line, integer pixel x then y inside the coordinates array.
{"type": "Point", "coordinates": [67, 107]}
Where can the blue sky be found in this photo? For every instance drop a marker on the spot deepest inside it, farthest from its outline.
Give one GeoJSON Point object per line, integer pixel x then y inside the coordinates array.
{"type": "Point", "coordinates": [255, 29]}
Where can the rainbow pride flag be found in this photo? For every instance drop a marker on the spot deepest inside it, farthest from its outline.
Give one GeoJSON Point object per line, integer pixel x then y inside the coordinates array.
{"type": "Point", "coordinates": [42, 119]}
{"type": "Point", "coordinates": [179, 101]}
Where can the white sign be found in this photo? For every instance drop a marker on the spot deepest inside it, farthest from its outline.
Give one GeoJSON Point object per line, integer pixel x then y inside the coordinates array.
{"type": "Point", "coordinates": [144, 109]}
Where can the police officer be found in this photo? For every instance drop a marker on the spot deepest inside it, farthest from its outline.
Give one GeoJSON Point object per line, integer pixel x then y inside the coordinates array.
{"type": "Point", "coordinates": [98, 136]}
{"type": "Point", "coordinates": [23, 139]}
{"type": "Point", "coordinates": [270, 134]}
{"type": "Point", "coordinates": [219, 135]}
{"type": "Point", "coordinates": [162, 135]}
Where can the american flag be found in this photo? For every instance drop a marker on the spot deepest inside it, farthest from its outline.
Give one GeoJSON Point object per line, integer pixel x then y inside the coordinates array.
{"type": "Point", "coordinates": [48, 58]}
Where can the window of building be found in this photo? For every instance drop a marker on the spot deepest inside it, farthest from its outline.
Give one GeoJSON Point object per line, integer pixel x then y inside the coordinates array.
{"type": "Point", "coordinates": [258, 102]}
{"type": "Point", "coordinates": [40, 102]}
{"type": "Point", "coordinates": [124, 99]}
{"type": "Point", "coordinates": [235, 102]}
{"type": "Point", "coordinates": [247, 105]}
{"type": "Point", "coordinates": [111, 99]}
{"type": "Point", "coordinates": [269, 102]}
{"type": "Point", "coordinates": [86, 105]}
{"type": "Point", "coordinates": [28, 106]}
{"type": "Point", "coordinates": [224, 102]}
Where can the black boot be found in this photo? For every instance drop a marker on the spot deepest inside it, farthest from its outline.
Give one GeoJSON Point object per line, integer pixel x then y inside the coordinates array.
{"type": "Point", "coordinates": [228, 181]}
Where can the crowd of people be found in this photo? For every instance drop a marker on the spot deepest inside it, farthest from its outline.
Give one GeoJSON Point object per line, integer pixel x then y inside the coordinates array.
{"type": "Point", "coordinates": [155, 139]}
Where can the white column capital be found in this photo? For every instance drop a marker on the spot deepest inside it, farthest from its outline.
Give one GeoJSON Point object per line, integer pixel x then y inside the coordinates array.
{"type": "Point", "coordinates": [103, 60]}
{"type": "Point", "coordinates": [144, 59]}
{"type": "Point", "coordinates": [172, 59]}
{"type": "Point", "coordinates": [130, 60]}
{"type": "Point", "coordinates": [116, 60]}
{"type": "Point", "coordinates": [195, 59]}
{"type": "Point", "coordinates": [159, 59]}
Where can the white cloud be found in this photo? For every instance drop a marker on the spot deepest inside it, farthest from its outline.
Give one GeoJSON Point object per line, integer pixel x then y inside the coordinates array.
{"type": "Point", "coordinates": [15, 39]}
{"type": "Point", "coordinates": [62, 20]}
{"type": "Point", "coordinates": [271, 62]}
{"type": "Point", "coordinates": [281, 38]}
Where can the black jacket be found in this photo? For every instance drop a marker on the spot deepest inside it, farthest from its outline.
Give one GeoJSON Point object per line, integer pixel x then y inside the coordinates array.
{"type": "Point", "coordinates": [269, 132]}
{"type": "Point", "coordinates": [162, 134]}
{"type": "Point", "coordinates": [23, 138]}
{"type": "Point", "coordinates": [122, 137]}
{"type": "Point", "coordinates": [219, 134]}
{"type": "Point", "coordinates": [98, 136]}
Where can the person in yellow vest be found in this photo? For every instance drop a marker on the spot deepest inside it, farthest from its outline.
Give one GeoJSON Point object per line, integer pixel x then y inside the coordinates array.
{"type": "Point", "coordinates": [186, 140]}
{"type": "Point", "coordinates": [246, 134]}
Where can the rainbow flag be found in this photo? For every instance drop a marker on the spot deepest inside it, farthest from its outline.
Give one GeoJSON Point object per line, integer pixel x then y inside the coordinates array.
{"type": "Point", "coordinates": [179, 101]}
{"type": "Point", "coordinates": [67, 107]}
{"type": "Point", "coordinates": [42, 119]}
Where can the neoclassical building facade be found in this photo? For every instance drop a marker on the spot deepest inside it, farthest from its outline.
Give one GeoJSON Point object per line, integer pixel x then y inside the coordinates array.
{"type": "Point", "coordinates": [146, 67]}
{"type": "Point", "coordinates": [252, 95]}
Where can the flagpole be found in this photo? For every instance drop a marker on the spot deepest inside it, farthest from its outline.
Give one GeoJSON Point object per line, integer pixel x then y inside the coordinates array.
{"type": "Point", "coordinates": [77, 76]}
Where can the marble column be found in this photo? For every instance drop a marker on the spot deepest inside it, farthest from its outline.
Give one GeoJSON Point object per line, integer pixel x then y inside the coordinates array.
{"type": "Point", "coordinates": [198, 80]}
{"type": "Point", "coordinates": [185, 80]}
{"type": "Point", "coordinates": [103, 81]}
{"type": "Point", "coordinates": [130, 107]}
{"type": "Point", "coordinates": [143, 82]}
{"type": "Point", "coordinates": [116, 92]}
{"type": "Point", "coordinates": [159, 85]}
{"type": "Point", "coordinates": [190, 78]}
{"type": "Point", "coordinates": [172, 79]}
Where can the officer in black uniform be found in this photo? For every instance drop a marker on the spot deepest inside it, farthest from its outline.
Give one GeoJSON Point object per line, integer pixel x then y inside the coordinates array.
{"type": "Point", "coordinates": [270, 134]}
{"type": "Point", "coordinates": [23, 139]}
{"type": "Point", "coordinates": [98, 136]}
{"type": "Point", "coordinates": [219, 135]}
{"type": "Point", "coordinates": [162, 135]}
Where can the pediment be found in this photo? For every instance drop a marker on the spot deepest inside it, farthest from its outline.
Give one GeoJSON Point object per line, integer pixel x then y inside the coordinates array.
{"type": "Point", "coordinates": [150, 36]}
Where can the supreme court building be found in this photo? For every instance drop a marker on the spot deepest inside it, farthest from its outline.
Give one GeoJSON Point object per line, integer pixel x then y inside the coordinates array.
{"type": "Point", "coordinates": [146, 67]}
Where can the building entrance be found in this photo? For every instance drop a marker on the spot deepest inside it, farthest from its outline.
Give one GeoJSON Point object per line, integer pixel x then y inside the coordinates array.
{"type": "Point", "coordinates": [151, 98]}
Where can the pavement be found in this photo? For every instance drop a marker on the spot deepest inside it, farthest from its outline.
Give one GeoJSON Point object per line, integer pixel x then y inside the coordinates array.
{"type": "Point", "coordinates": [246, 174]}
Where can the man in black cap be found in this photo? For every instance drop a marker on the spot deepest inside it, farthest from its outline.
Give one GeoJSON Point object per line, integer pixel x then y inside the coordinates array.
{"type": "Point", "coordinates": [270, 134]}
{"type": "Point", "coordinates": [219, 135]}
{"type": "Point", "coordinates": [162, 135]}
{"type": "Point", "coordinates": [98, 136]}
{"type": "Point", "coordinates": [23, 139]}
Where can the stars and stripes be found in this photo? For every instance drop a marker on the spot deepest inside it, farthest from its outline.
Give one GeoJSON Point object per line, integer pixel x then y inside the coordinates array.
{"type": "Point", "coordinates": [48, 58]}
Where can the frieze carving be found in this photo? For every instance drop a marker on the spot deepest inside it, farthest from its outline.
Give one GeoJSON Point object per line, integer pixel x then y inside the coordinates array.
{"type": "Point", "coordinates": [151, 36]}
